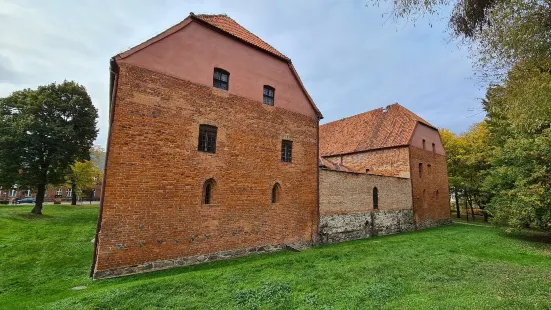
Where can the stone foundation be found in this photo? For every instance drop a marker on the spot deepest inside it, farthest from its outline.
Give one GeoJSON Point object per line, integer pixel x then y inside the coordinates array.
{"type": "Point", "coordinates": [193, 260]}
{"type": "Point", "coordinates": [341, 227]}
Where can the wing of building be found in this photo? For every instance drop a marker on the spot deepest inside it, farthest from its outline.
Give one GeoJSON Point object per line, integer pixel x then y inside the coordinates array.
{"type": "Point", "coordinates": [395, 174]}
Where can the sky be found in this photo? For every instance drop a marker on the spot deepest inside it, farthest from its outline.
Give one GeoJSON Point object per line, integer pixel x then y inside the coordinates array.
{"type": "Point", "coordinates": [351, 57]}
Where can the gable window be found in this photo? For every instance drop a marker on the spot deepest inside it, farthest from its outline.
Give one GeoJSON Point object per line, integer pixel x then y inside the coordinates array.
{"type": "Point", "coordinates": [420, 170]}
{"type": "Point", "coordinates": [207, 138]}
{"type": "Point", "coordinates": [269, 95]}
{"type": "Point", "coordinates": [286, 151]}
{"type": "Point", "coordinates": [434, 148]}
{"type": "Point", "coordinates": [375, 198]}
{"type": "Point", "coordinates": [221, 79]}
{"type": "Point", "coordinates": [275, 193]}
{"type": "Point", "coordinates": [424, 144]}
{"type": "Point", "coordinates": [208, 190]}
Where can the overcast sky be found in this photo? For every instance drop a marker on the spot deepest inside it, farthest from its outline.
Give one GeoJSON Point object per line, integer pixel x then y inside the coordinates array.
{"type": "Point", "coordinates": [350, 57]}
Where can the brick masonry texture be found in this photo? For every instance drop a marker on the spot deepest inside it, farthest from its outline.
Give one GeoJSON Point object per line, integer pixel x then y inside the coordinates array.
{"type": "Point", "coordinates": [430, 189]}
{"type": "Point", "coordinates": [152, 208]}
{"type": "Point", "coordinates": [389, 162]}
{"type": "Point", "coordinates": [346, 206]}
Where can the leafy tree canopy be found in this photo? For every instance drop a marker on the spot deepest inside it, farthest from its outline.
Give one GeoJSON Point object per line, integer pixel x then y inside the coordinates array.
{"type": "Point", "coordinates": [43, 132]}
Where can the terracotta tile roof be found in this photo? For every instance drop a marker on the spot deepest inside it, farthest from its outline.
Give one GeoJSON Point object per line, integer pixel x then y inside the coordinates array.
{"type": "Point", "coordinates": [376, 129]}
{"type": "Point", "coordinates": [226, 24]}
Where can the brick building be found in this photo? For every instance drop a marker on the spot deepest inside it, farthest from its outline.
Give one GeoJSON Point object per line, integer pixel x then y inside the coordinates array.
{"type": "Point", "coordinates": [384, 171]}
{"type": "Point", "coordinates": [65, 192]}
{"type": "Point", "coordinates": [212, 151]}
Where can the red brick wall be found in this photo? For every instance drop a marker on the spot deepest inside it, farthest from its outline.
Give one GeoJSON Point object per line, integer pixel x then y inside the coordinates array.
{"type": "Point", "coordinates": [428, 206]}
{"type": "Point", "coordinates": [152, 208]}
{"type": "Point", "coordinates": [389, 162]}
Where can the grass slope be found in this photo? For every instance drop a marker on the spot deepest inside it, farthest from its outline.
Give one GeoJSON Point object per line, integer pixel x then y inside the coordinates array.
{"type": "Point", "coordinates": [459, 266]}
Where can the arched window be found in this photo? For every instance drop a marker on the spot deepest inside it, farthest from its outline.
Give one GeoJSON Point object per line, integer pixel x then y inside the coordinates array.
{"type": "Point", "coordinates": [208, 191]}
{"type": "Point", "coordinates": [276, 190]}
{"type": "Point", "coordinates": [420, 170]}
{"type": "Point", "coordinates": [375, 198]}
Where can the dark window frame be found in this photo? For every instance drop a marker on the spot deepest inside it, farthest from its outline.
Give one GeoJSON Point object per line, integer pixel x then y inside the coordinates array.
{"type": "Point", "coordinates": [286, 151]}
{"type": "Point", "coordinates": [221, 79]}
{"type": "Point", "coordinates": [268, 95]}
{"type": "Point", "coordinates": [375, 198]}
{"type": "Point", "coordinates": [207, 138]}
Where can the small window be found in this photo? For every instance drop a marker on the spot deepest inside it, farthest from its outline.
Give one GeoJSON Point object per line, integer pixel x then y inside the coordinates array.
{"type": "Point", "coordinates": [424, 144]}
{"type": "Point", "coordinates": [58, 192]}
{"type": "Point", "coordinates": [275, 193]}
{"type": "Point", "coordinates": [434, 148]}
{"type": "Point", "coordinates": [28, 194]}
{"type": "Point", "coordinates": [429, 169]}
{"type": "Point", "coordinates": [221, 79]}
{"type": "Point", "coordinates": [208, 191]}
{"type": "Point", "coordinates": [207, 138]}
{"type": "Point", "coordinates": [286, 151]}
{"type": "Point", "coordinates": [269, 95]}
{"type": "Point", "coordinates": [70, 192]}
{"type": "Point", "coordinates": [375, 198]}
{"type": "Point", "coordinates": [420, 170]}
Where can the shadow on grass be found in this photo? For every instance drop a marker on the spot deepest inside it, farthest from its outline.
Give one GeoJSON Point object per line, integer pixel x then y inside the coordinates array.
{"type": "Point", "coordinates": [24, 215]}
{"type": "Point", "coordinates": [530, 236]}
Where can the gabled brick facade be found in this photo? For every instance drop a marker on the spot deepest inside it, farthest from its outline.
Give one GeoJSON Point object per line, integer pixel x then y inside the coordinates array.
{"type": "Point", "coordinates": [153, 214]}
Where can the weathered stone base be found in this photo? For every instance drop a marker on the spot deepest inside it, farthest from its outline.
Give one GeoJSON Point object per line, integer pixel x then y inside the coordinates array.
{"type": "Point", "coordinates": [192, 260]}
{"type": "Point", "coordinates": [432, 223]}
{"type": "Point", "coordinates": [341, 227]}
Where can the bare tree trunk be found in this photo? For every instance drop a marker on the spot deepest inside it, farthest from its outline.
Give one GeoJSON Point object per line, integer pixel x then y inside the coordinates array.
{"type": "Point", "coordinates": [73, 194]}
{"type": "Point", "coordinates": [466, 205]}
{"type": "Point", "coordinates": [457, 207]}
{"type": "Point", "coordinates": [39, 199]}
{"type": "Point", "coordinates": [472, 209]}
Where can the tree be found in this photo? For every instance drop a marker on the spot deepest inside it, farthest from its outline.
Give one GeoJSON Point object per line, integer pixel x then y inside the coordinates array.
{"type": "Point", "coordinates": [42, 132]}
{"type": "Point", "coordinates": [467, 158]}
{"type": "Point", "coordinates": [83, 176]}
{"type": "Point", "coordinates": [519, 123]}
{"type": "Point", "coordinates": [454, 150]}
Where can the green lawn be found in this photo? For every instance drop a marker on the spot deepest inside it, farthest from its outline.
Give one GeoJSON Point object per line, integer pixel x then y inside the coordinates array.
{"type": "Point", "coordinates": [458, 266]}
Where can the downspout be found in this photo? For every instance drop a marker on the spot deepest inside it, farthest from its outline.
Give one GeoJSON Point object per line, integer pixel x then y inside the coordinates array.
{"type": "Point", "coordinates": [316, 231]}
{"type": "Point", "coordinates": [114, 78]}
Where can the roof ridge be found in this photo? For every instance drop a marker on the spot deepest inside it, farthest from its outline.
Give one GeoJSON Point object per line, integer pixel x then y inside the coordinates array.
{"type": "Point", "coordinates": [205, 17]}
